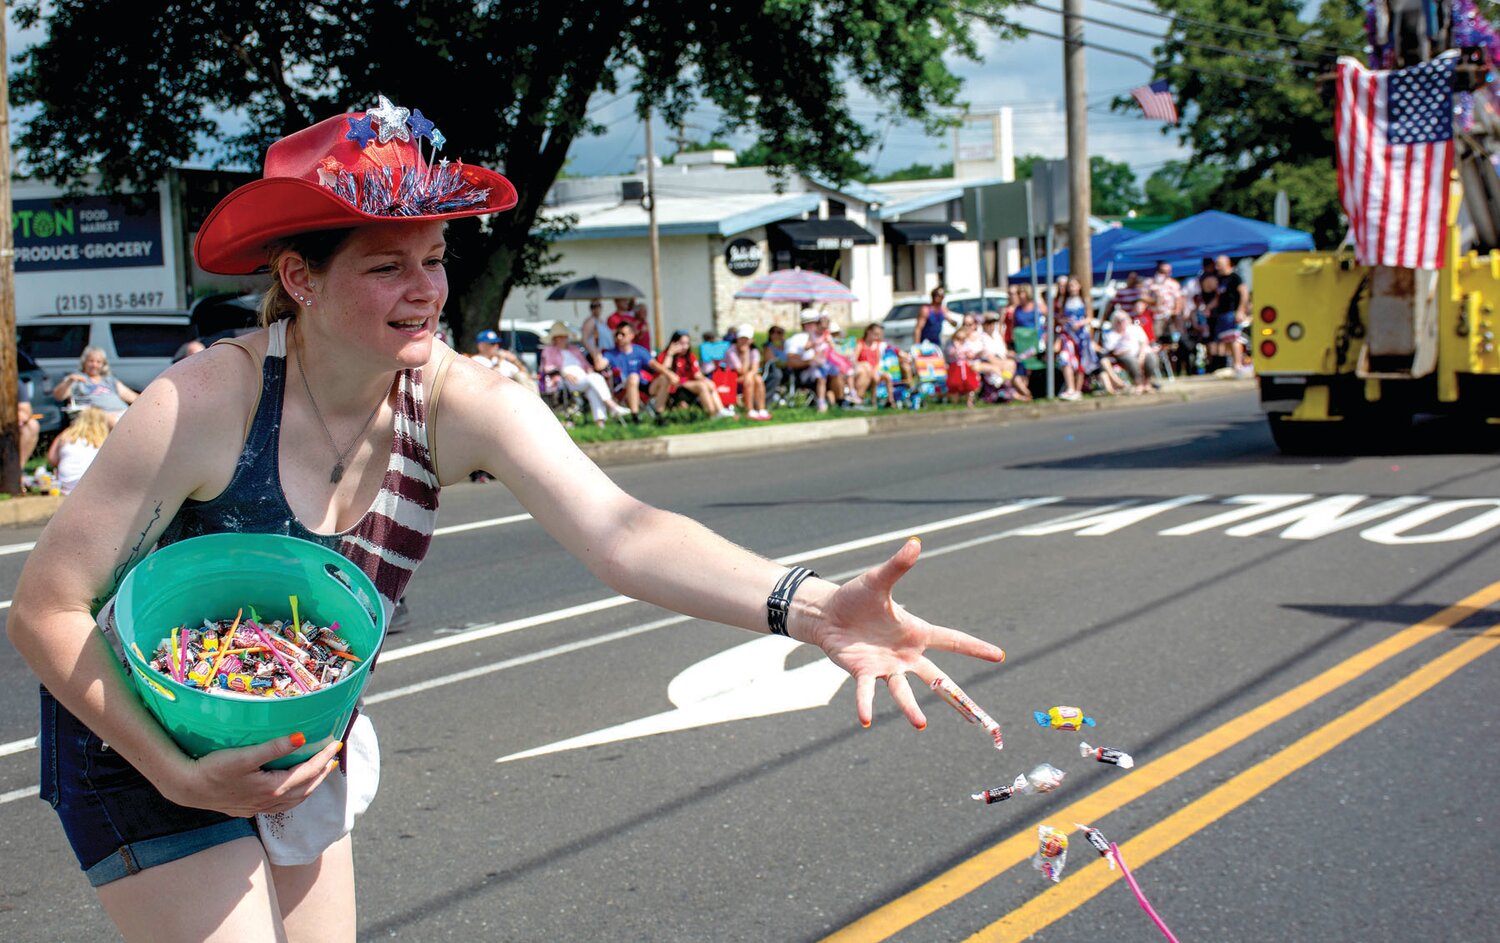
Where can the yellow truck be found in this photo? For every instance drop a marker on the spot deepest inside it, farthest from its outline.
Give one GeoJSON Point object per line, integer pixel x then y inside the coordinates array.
{"type": "Point", "coordinates": [1347, 354]}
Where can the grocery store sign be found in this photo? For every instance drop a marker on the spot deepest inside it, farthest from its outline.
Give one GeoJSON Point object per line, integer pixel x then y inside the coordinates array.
{"type": "Point", "coordinates": [86, 233]}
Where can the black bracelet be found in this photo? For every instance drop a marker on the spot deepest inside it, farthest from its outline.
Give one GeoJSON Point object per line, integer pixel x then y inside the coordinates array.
{"type": "Point", "coordinates": [780, 601]}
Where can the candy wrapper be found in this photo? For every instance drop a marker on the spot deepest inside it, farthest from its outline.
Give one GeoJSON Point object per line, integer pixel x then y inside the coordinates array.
{"type": "Point", "coordinates": [1051, 852]}
{"type": "Point", "coordinates": [970, 711]}
{"type": "Point", "coordinates": [1043, 778]}
{"type": "Point", "coordinates": [1105, 755]}
{"type": "Point", "coordinates": [245, 658]}
{"type": "Point", "coordinates": [1100, 843]}
{"type": "Point", "coordinates": [1062, 718]}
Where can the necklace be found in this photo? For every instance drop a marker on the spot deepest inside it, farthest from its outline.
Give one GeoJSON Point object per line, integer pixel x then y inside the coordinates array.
{"type": "Point", "coordinates": [339, 454]}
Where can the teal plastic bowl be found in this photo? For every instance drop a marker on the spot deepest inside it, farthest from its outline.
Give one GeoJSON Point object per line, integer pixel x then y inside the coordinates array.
{"type": "Point", "coordinates": [214, 576]}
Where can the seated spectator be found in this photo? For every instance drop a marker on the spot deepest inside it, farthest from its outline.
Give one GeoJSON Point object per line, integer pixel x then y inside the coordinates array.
{"type": "Point", "coordinates": [75, 447]}
{"type": "Point", "coordinates": [807, 355]}
{"type": "Point", "coordinates": [496, 357]}
{"type": "Point", "coordinates": [626, 310]}
{"type": "Point", "coordinates": [872, 349]}
{"type": "Point", "coordinates": [1025, 314]}
{"type": "Point", "coordinates": [858, 377]}
{"type": "Point", "coordinates": [94, 385]}
{"type": "Point", "coordinates": [744, 359]}
{"type": "Point", "coordinates": [773, 356]}
{"type": "Point", "coordinates": [964, 347]}
{"type": "Point", "coordinates": [632, 369]}
{"type": "Point", "coordinates": [597, 335]}
{"type": "Point", "coordinates": [1125, 343]}
{"type": "Point", "coordinates": [685, 378]}
{"type": "Point", "coordinates": [1009, 378]}
{"type": "Point", "coordinates": [564, 362]}
{"type": "Point", "coordinates": [30, 429]}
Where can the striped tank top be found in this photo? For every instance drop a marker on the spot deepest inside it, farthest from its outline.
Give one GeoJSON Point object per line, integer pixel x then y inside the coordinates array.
{"type": "Point", "coordinates": [387, 543]}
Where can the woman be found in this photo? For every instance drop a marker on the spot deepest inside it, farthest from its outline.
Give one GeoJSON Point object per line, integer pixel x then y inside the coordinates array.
{"type": "Point", "coordinates": [1075, 320]}
{"type": "Point", "coordinates": [93, 385]}
{"type": "Point", "coordinates": [75, 449]}
{"type": "Point", "coordinates": [872, 351]}
{"type": "Point", "coordinates": [683, 374]}
{"type": "Point", "coordinates": [1025, 315]}
{"type": "Point", "coordinates": [570, 366]}
{"type": "Point", "coordinates": [1006, 377]}
{"type": "Point", "coordinates": [744, 359]}
{"type": "Point", "coordinates": [327, 426]}
{"type": "Point", "coordinates": [931, 317]}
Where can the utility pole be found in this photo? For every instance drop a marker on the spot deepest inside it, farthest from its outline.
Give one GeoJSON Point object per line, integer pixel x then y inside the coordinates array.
{"type": "Point", "coordinates": [1075, 84]}
{"type": "Point", "coordinates": [656, 317]}
{"type": "Point", "coordinates": [10, 433]}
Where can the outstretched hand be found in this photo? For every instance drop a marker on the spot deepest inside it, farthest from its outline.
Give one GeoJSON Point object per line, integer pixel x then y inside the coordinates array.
{"type": "Point", "coordinates": [865, 632]}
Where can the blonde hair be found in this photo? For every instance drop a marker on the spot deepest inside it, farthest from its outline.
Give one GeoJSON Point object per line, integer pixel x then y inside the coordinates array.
{"type": "Point", "coordinates": [316, 249]}
{"type": "Point", "coordinates": [91, 427]}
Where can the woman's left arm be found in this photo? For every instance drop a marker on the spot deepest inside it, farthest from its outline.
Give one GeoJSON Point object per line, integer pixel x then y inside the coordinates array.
{"type": "Point", "coordinates": [674, 562]}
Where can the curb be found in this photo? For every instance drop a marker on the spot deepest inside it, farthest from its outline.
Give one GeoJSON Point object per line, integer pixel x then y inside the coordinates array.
{"type": "Point", "coordinates": [757, 437]}
{"type": "Point", "coordinates": [29, 509]}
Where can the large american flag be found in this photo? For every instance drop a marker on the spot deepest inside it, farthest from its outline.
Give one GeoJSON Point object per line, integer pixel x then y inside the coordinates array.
{"type": "Point", "coordinates": [1156, 101]}
{"type": "Point", "coordinates": [1393, 133]}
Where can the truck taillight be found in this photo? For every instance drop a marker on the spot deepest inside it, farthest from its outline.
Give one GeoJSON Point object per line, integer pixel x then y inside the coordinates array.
{"type": "Point", "coordinates": [1268, 314]}
{"type": "Point", "coordinates": [1268, 348]}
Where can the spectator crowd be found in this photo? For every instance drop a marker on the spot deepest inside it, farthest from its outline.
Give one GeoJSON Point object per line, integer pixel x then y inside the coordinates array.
{"type": "Point", "coordinates": [1146, 331]}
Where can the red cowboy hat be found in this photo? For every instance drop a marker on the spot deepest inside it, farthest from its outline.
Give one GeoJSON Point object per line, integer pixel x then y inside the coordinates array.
{"type": "Point", "coordinates": [350, 170]}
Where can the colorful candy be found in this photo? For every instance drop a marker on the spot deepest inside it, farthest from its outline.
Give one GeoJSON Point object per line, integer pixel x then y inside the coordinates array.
{"type": "Point", "coordinates": [1062, 718]}
{"type": "Point", "coordinates": [1044, 778]}
{"type": "Point", "coordinates": [275, 659]}
{"type": "Point", "coordinates": [971, 712]}
{"type": "Point", "coordinates": [1105, 755]}
{"type": "Point", "coordinates": [1051, 853]}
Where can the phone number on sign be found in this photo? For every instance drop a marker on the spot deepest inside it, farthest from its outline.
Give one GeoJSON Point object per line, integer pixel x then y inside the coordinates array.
{"type": "Point", "coordinates": [109, 301]}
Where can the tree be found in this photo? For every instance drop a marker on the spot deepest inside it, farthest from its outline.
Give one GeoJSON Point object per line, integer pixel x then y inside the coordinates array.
{"type": "Point", "coordinates": [1264, 125]}
{"type": "Point", "coordinates": [1113, 190]}
{"type": "Point", "coordinates": [912, 172]}
{"type": "Point", "coordinates": [127, 89]}
{"type": "Point", "coordinates": [1179, 189]}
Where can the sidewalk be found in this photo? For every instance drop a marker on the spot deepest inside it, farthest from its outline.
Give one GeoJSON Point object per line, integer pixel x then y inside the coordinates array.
{"type": "Point", "coordinates": [753, 437]}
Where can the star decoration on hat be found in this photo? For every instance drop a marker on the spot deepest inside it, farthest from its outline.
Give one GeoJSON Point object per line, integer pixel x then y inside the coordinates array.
{"type": "Point", "coordinates": [328, 171]}
{"type": "Point", "coordinates": [360, 130]}
{"type": "Point", "coordinates": [419, 125]}
{"type": "Point", "coordinates": [392, 121]}
{"type": "Point", "coordinates": [437, 139]}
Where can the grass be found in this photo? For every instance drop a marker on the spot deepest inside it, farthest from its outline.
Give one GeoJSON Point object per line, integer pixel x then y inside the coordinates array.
{"type": "Point", "coordinates": [688, 420]}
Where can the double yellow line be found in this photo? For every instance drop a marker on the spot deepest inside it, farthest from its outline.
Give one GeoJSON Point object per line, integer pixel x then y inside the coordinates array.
{"type": "Point", "coordinates": [1053, 904]}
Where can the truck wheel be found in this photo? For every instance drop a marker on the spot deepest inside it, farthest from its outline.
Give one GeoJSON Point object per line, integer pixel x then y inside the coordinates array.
{"type": "Point", "coordinates": [1305, 438]}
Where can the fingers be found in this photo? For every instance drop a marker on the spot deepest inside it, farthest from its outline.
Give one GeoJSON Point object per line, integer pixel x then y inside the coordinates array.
{"type": "Point", "coordinates": [901, 693]}
{"type": "Point", "coordinates": [864, 699]}
{"type": "Point", "coordinates": [962, 643]}
{"type": "Point", "coordinates": [305, 776]}
{"type": "Point", "coordinates": [254, 757]}
{"type": "Point", "coordinates": [884, 576]}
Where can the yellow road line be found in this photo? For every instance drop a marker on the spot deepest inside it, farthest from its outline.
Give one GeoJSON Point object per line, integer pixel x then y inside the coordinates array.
{"type": "Point", "coordinates": [1059, 901]}
{"type": "Point", "coordinates": [969, 875]}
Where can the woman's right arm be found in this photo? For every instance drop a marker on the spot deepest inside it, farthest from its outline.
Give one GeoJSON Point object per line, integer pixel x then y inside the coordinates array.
{"type": "Point", "coordinates": [64, 389]}
{"type": "Point", "coordinates": [174, 444]}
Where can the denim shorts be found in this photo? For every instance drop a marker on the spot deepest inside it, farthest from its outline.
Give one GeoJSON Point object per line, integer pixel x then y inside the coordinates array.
{"type": "Point", "coordinates": [116, 821]}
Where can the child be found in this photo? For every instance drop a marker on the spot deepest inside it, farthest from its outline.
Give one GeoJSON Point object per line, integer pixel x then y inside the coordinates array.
{"type": "Point", "coordinates": [73, 451]}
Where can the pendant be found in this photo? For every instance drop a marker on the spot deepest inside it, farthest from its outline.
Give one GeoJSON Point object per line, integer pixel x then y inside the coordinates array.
{"type": "Point", "coordinates": [338, 473]}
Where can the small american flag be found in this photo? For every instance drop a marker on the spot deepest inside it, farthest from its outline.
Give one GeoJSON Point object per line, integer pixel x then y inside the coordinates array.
{"type": "Point", "coordinates": [1156, 101]}
{"type": "Point", "coordinates": [1393, 135]}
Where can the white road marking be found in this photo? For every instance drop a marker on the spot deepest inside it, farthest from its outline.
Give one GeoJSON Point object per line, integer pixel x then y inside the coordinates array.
{"type": "Point", "coordinates": [476, 525]}
{"type": "Point", "coordinates": [18, 746]}
{"type": "Point", "coordinates": [17, 548]}
{"type": "Point", "coordinates": [748, 680]}
{"type": "Point", "coordinates": [15, 794]}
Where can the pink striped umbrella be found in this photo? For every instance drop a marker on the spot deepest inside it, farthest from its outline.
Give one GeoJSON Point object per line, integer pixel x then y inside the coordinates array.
{"type": "Point", "coordinates": [796, 285]}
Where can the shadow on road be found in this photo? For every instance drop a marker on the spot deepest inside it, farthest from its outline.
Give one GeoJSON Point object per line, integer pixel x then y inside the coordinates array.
{"type": "Point", "coordinates": [1399, 614]}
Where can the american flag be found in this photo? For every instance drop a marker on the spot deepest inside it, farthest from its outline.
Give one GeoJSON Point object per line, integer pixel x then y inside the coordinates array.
{"type": "Point", "coordinates": [1156, 101]}
{"type": "Point", "coordinates": [1393, 134]}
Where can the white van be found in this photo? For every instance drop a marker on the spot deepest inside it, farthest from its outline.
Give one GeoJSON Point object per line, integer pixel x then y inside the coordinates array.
{"type": "Point", "coordinates": [139, 345]}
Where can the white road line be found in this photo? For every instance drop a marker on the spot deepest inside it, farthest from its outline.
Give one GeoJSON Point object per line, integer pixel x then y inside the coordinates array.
{"type": "Point", "coordinates": [476, 525]}
{"type": "Point", "coordinates": [16, 548]}
{"type": "Point", "coordinates": [15, 794]}
{"type": "Point", "coordinates": [611, 602]}
{"type": "Point", "coordinates": [504, 628]}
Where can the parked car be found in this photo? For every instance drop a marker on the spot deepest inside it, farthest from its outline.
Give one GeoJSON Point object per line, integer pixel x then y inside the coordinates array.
{"type": "Point", "coordinates": [139, 345]}
{"type": "Point", "coordinates": [525, 338]}
{"type": "Point", "coordinates": [900, 322]}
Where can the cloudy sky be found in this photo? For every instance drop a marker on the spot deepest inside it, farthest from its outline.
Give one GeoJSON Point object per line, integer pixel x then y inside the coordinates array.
{"type": "Point", "coordinates": [1025, 74]}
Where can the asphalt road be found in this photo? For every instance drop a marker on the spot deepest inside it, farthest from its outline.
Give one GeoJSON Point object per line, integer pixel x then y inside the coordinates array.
{"type": "Point", "coordinates": [1313, 720]}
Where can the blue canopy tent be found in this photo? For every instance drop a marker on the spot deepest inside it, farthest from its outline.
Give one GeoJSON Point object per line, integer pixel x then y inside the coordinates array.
{"type": "Point", "coordinates": [1103, 245]}
{"type": "Point", "coordinates": [1210, 233]}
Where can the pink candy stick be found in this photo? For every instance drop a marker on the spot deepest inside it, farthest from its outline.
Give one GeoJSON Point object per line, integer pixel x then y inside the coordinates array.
{"type": "Point", "coordinates": [276, 653]}
{"type": "Point", "coordinates": [1140, 897]}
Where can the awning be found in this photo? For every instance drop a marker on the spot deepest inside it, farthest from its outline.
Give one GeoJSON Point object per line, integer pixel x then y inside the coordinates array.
{"type": "Point", "coordinates": [935, 233]}
{"type": "Point", "coordinates": [826, 234]}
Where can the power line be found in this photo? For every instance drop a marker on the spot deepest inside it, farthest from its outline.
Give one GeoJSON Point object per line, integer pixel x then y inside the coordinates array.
{"type": "Point", "coordinates": [1111, 50]}
{"type": "Point", "coordinates": [1241, 53]}
{"type": "Point", "coordinates": [1226, 28]}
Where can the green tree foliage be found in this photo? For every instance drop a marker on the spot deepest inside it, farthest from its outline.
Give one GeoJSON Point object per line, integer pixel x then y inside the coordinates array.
{"type": "Point", "coordinates": [912, 172]}
{"type": "Point", "coordinates": [1265, 125]}
{"type": "Point", "coordinates": [1180, 188]}
{"type": "Point", "coordinates": [1112, 185]}
{"type": "Point", "coordinates": [127, 89]}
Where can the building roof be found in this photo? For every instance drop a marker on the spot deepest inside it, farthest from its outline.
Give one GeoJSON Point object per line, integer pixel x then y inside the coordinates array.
{"type": "Point", "coordinates": [908, 196]}
{"type": "Point", "coordinates": [717, 215]}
